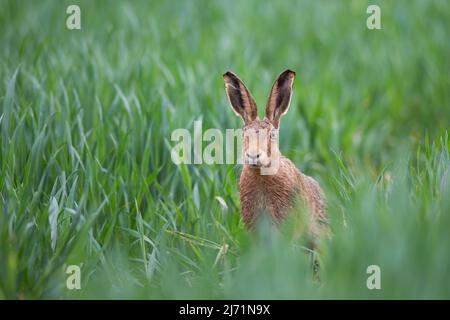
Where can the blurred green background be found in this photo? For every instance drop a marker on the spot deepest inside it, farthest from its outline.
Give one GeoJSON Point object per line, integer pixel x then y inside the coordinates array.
{"type": "Point", "coordinates": [87, 179]}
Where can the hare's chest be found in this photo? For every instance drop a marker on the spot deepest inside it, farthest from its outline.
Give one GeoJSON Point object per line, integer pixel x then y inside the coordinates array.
{"type": "Point", "coordinates": [254, 203]}
{"type": "Point", "coordinates": [260, 199]}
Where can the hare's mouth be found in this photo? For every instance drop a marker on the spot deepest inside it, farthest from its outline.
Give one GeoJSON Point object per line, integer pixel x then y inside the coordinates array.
{"type": "Point", "coordinates": [255, 165]}
{"type": "Point", "coordinates": [252, 163]}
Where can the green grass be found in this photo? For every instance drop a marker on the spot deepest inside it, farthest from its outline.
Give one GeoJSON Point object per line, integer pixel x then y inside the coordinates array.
{"type": "Point", "coordinates": [86, 174]}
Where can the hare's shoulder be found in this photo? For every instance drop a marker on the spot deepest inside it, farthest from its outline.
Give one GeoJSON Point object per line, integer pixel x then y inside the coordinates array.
{"type": "Point", "coordinates": [314, 185]}
{"type": "Point", "coordinates": [288, 167]}
{"type": "Point", "coordinates": [317, 197]}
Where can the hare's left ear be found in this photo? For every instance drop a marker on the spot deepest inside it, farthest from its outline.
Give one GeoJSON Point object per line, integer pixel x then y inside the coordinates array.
{"type": "Point", "coordinates": [280, 97]}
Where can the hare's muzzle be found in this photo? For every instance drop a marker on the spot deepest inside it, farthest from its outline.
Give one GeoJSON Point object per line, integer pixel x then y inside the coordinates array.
{"type": "Point", "coordinates": [253, 159]}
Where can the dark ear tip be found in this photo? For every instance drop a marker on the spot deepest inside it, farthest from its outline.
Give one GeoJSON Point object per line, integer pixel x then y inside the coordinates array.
{"type": "Point", "coordinates": [228, 74]}
{"type": "Point", "coordinates": [290, 71]}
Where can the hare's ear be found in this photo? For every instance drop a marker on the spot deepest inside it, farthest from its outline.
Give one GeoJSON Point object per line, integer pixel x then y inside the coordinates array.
{"type": "Point", "coordinates": [240, 98]}
{"type": "Point", "coordinates": [280, 97]}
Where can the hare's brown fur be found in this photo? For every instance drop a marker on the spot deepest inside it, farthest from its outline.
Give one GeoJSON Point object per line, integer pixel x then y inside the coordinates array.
{"type": "Point", "coordinates": [276, 193]}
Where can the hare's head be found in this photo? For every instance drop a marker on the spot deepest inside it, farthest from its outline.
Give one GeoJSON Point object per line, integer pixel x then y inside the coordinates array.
{"type": "Point", "coordinates": [260, 136]}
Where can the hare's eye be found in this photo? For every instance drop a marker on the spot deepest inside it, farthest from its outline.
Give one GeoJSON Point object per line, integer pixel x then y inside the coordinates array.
{"type": "Point", "coordinates": [273, 134]}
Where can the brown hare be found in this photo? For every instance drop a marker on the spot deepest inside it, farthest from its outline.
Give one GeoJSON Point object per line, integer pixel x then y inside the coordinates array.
{"type": "Point", "coordinates": [270, 182]}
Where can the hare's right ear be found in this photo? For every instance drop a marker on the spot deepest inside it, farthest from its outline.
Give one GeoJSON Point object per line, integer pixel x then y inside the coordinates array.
{"type": "Point", "coordinates": [240, 98]}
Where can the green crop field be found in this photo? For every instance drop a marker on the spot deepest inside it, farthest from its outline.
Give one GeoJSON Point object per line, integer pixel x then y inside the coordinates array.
{"type": "Point", "coordinates": [87, 179]}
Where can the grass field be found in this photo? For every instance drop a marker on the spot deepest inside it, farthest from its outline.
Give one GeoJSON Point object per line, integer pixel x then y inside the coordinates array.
{"type": "Point", "coordinates": [87, 179]}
